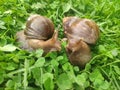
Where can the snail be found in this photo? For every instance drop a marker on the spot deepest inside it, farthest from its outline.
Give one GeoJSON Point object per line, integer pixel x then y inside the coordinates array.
{"type": "Point", "coordinates": [39, 33]}
{"type": "Point", "coordinates": [80, 33]}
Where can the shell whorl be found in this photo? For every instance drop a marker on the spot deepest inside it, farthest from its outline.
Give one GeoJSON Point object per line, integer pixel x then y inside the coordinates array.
{"type": "Point", "coordinates": [84, 29]}
{"type": "Point", "coordinates": [39, 27]}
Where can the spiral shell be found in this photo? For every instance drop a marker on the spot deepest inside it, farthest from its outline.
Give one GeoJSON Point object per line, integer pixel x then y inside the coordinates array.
{"type": "Point", "coordinates": [39, 27]}
{"type": "Point", "coordinates": [84, 29]}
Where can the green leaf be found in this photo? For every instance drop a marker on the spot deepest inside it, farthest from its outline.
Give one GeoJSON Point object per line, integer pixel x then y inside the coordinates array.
{"type": "Point", "coordinates": [102, 49]}
{"type": "Point", "coordinates": [2, 25]}
{"type": "Point", "coordinates": [39, 53]}
{"type": "Point", "coordinates": [11, 66]}
{"type": "Point", "coordinates": [54, 63]}
{"type": "Point", "coordinates": [64, 43]}
{"type": "Point", "coordinates": [10, 84]}
{"type": "Point", "coordinates": [8, 12]}
{"type": "Point", "coordinates": [66, 66]}
{"type": "Point", "coordinates": [108, 54]}
{"type": "Point", "coordinates": [64, 82]}
{"type": "Point", "coordinates": [8, 48]}
{"type": "Point", "coordinates": [37, 76]}
{"type": "Point", "coordinates": [76, 68]}
{"type": "Point", "coordinates": [3, 65]}
{"type": "Point", "coordinates": [81, 80]}
{"type": "Point", "coordinates": [117, 69]}
{"type": "Point", "coordinates": [88, 66]}
{"type": "Point", "coordinates": [54, 4]}
{"type": "Point", "coordinates": [38, 6]}
{"type": "Point", "coordinates": [114, 52]}
{"type": "Point", "coordinates": [3, 41]}
{"type": "Point", "coordinates": [97, 79]}
{"type": "Point", "coordinates": [105, 85]}
{"type": "Point", "coordinates": [2, 76]}
{"type": "Point", "coordinates": [60, 58]}
{"type": "Point", "coordinates": [40, 62]}
{"type": "Point", "coordinates": [9, 20]}
{"type": "Point", "coordinates": [52, 55]}
{"type": "Point", "coordinates": [97, 83]}
{"type": "Point", "coordinates": [49, 84]}
{"type": "Point", "coordinates": [46, 76]}
{"type": "Point", "coordinates": [96, 75]}
{"type": "Point", "coordinates": [66, 7]}
{"type": "Point", "coordinates": [48, 81]}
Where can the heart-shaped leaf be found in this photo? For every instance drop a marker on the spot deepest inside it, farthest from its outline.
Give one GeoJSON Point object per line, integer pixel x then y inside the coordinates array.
{"type": "Point", "coordinates": [8, 48]}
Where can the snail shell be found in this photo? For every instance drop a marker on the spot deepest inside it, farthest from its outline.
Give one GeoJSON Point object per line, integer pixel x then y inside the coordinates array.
{"type": "Point", "coordinates": [39, 27]}
{"type": "Point", "coordinates": [84, 29]}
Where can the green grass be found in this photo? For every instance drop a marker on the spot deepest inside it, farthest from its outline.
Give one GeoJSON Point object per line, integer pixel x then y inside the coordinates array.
{"type": "Point", "coordinates": [20, 69]}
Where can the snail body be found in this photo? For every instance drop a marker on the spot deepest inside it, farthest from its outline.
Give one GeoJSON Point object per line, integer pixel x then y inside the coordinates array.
{"type": "Point", "coordinates": [80, 33]}
{"type": "Point", "coordinates": [79, 53]}
{"type": "Point", "coordinates": [39, 33]}
{"type": "Point", "coordinates": [51, 44]}
{"type": "Point", "coordinates": [21, 38]}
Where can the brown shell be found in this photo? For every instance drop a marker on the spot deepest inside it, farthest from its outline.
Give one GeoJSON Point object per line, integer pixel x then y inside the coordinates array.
{"type": "Point", "coordinates": [84, 29]}
{"type": "Point", "coordinates": [39, 27]}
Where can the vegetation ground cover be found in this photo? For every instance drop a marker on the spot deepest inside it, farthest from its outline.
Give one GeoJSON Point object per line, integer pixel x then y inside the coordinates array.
{"type": "Point", "coordinates": [20, 69]}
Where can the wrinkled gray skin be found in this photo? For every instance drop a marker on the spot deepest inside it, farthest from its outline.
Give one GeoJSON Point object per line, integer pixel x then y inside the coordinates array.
{"type": "Point", "coordinates": [21, 38]}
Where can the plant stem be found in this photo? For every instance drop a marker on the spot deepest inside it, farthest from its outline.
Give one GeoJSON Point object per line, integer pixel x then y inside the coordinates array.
{"type": "Point", "coordinates": [115, 81]}
{"type": "Point", "coordinates": [26, 66]}
{"type": "Point", "coordinates": [41, 72]}
{"type": "Point", "coordinates": [111, 63]}
{"type": "Point", "coordinates": [20, 70]}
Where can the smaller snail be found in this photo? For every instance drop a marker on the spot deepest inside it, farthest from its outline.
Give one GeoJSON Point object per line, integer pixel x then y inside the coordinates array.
{"type": "Point", "coordinates": [78, 51]}
{"type": "Point", "coordinates": [39, 33]}
{"type": "Point", "coordinates": [80, 33]}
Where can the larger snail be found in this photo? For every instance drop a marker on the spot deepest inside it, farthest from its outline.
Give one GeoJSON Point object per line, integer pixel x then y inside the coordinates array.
{"type": "Point", "coordinates": [80, 33]}
{"type": "Point", "coordinates": [39, 33]}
